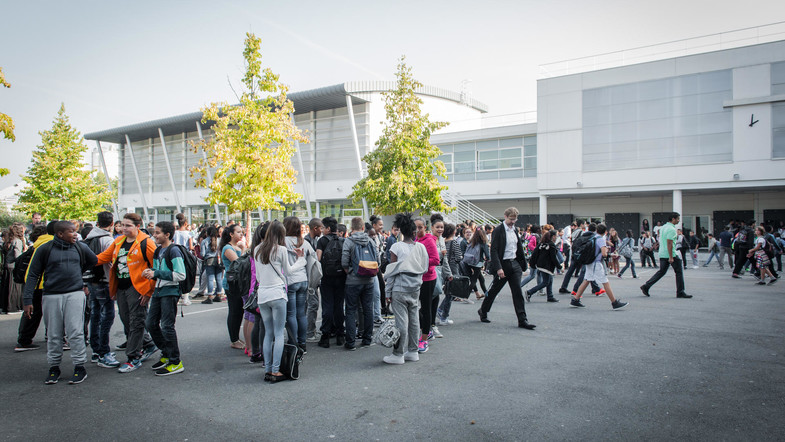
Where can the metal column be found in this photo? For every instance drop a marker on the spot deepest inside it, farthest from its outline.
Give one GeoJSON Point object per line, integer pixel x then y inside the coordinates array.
{"type": "Point", "coordinates": [136, 175]}
{"type": "Point", "coordinates": [350, 108]}
{"type": "Point", "coordinates": [677, 205]}
{"type": "Point", "coordinates": [306, 192]}
{"type": "Point", "coordinates": [543, 210]}
{"type": "Point", "coordinates": [108, 181]}
{"type": "Point", "coordinates": [169, 170]}
{"type": "Point", "coordinates": [207, 168]}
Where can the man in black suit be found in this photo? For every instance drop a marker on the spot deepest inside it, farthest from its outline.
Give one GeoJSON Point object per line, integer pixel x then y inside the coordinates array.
{"type": "Point", "coordinates": [507, 266]}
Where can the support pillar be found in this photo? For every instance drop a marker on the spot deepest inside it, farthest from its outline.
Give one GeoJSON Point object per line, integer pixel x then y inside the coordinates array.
{"type": "Point", "coordinates": [350, 108]}
{"type": "Point", "coordinates": [677, 205]}
{"type": "Point", "coordinates": [209, 174]}
{"type": "Point", "coordinates": [543, 210]}
{"type": "Point", "coordinates": [108, 181]}
{"type": "Point", "coordinates": [306, 192]}
{"type": "Point", "coordinates": [169, 170]}
{"type": "Point", "coordinates": [136, 175]}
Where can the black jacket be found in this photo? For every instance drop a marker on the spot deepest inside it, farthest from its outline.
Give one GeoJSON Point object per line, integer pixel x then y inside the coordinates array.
{"type": "Point", "coordinates": [62, 267]}
{"type": "Point", "coordinates": [544, 257]}
{"type": "Point", "coordinates": [499, 244]}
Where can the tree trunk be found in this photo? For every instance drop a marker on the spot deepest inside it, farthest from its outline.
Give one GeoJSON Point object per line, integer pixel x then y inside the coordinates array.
{"type": "Point", "coordinates": [248, 227]}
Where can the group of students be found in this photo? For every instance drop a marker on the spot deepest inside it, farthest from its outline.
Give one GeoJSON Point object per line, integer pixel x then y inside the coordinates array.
{"type": "Point", "coordinates": [142, 274]}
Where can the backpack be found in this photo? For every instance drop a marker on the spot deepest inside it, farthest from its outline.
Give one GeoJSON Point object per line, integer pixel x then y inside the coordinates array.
{"type": "Point", "coordinates": [577, 244]}
{"type": "Point", "coordinates": [21, 264]}
{"type": "Point", "coordinates": [365, 263]}
{"type": "Point", "coordinates": [239, 275]}
{"type": "Point", "coordinates": [472, 255]}
{"type": "Point", "coordinates": [189, 261]}
{"type": "Point", "coordinates": [625, 249]}
{"type": "Point", "coordinates": [586, 252]}
{"type": "Point", "coordinates": [331, 257]}
{"type": "Point", "coordinates": [95, 274]}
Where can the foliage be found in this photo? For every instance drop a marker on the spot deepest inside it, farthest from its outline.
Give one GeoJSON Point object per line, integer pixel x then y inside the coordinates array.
{"type": "Point", "coordinates": [402, 171]}
{"type": "Point", "coordinates": [6, 123]}
{"type": "Point", "coordinates": [254, 142]}
{"type": "Point", "coordinates": [58, 184]}
{"type": "Point", "coordinates": [8, 218]}
{"type": "Point", "coordinates": [100, 180]}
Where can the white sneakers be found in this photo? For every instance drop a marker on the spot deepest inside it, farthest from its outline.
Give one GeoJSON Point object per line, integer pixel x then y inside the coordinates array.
{"type": "Point", "coordinates": [399, 360]}
{"type": "Point", "coordinates": [411, 356]}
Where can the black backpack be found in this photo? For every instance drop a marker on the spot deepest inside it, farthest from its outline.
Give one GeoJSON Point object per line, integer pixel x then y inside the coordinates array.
{"type": "Point", "coordinates": [331, 258]}
{"type": "Point", "coordinates": [21, 264]}
{"type": "Point", "coordinates": [585, 253]}
{"type": "Point", "coordinates": [577, 243]}
{"type": "Point", "coordinates": [189, 261]}
{"type": "Point", "coordinates": [95, 274]}
{"type": "Point", "coordinates": [239, 275]}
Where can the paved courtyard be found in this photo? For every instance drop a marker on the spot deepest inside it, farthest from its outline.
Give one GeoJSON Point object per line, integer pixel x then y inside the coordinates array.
{"type": "Point", "coordinates": [707, 368]}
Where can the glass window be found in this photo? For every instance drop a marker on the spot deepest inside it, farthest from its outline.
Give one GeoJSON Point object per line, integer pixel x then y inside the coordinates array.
{"type": "Point", "coordinates": [778, 135]}
{"type": "Point", "coordinates": [447, 160]}
{"type": "Point", "coordinates": [511, 142]}
{"type": "Point", "coordinates": [487, 144]}
{"type": "Point", "coordinates": [530, 151]}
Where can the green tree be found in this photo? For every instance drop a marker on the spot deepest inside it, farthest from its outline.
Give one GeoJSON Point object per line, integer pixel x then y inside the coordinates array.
{"type": "Point", "coordinates": [6, 123]}
{"type": "Point", "coordinates": [253, 144]}
{"type": "Point", "coordinates": [403, 170]}
{"type": "Point", "coordinates": [100, 180]}
{"type": "Point", "coordinates": [58, 184]}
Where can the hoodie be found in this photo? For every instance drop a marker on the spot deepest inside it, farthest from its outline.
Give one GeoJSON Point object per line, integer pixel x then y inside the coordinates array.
{"type": "Point", "coordinates": [63, 269]}
{"type": "Point", "coordinates": [348, 258]}
{"type": "Point", "coordinates": [406, 275]}
{"type": "Point", "coordinates": [136, 263]}
{"type": "Point", "coordinates": [106, 241]}
{"type": "Point", "coordinates": [429, 241]}
{"type": "Point", "coordinates": [43, 239]}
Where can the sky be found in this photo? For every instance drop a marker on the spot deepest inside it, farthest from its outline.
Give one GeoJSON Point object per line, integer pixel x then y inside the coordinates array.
{"type": "Point", "coordinates": [117, 63]}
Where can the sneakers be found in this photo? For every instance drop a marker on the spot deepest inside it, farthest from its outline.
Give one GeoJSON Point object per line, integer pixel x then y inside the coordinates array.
{"type": "Point", "coordinates": [207, 301]}
{"type": "Point", "coordinates": [563, 290]}
{"type": "Point", "coordinates": [447, 321]}
{"type": "Point", "coordinates": [130, 366]}
{"type": "Point", "coordinates": [257, 359]}
{"type": "Point", "coordinates": [80, 374]}
{"type": "Point", "coordinates": [108, 361]}
{"type": "Point", "coordinates": [645, 290]}
{"type": "Point", "coordinates": [411, 356]}
{"type": "Point", "coordinates": [761, 282]}
{"type": "Point", "coordinates": [377, 322]}
{"type": "Point", "coordinates": [528, 296]}
{"type": "Point", "coordinates": [349, 347]}
{"type": "Point", "coordinates": [66, 345]}
{"type": "Point", "coordinates": [53, 376]}
{"type": "Point", "coordinates": [163, 362]}
{"type": "Point", "coordinates": [600, 293]}
{"type": "Point", "coordinates": [436, 332]}
{"type": "Point", "coordinates": [430, 335]}
{"type": "Point", "coordinates": [773, 281]}
{"type": "Point", "coordinates": [576, 303]}
{"type": "Point", "coordinates": [618, 304]}
{"type": "Point", "coordinates": [552, 299]}
{"type": "Point", "coordinates": [148, 352]}
{"type": "Point", "coordinates": [28, 347]}
{"type": "Point", "coordinates": [170, 369]}
{"type": "Point", "coordinates": [314, 338]}
{"type": "Point", "coordinates": [422, 347]}
{"type": "Point", "coordinates": [121, 346]}
{"type": "Point", "coordinates": [393, 359]}
{"type": "Point", "coordinates": [217, 298]}
{"type": "Point", "coordinates": [735, 275]}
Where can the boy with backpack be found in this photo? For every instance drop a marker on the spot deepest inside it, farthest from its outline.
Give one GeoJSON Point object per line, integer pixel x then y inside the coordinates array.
{"type": "Point", "coordinates": [359, 261]}
{"type": "Point", "coordinates": [329, 250]}
{"type": "Point", "coordinates": [63, 259]}
{"type": "Point", "coordinates": [591, 254]}
{"type": "Point", "coordinates": [167, 272]}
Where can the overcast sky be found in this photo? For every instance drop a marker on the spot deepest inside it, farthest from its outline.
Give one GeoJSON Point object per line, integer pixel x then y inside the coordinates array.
{"type": "Point", "coordinates": [118, 63]}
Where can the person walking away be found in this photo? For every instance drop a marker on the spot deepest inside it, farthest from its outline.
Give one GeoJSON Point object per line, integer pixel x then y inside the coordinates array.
{"type": "Point", "coordinates": [329, 249]}
{"type": "Point", "coordinates": [669, 258]}
{"type": "Point", "coordinates": [714, 250]}
{"type": "Point", "coordinates": [625, 251]}
{"type": "Point", "coordinates": [211, 263]}
{"type": "Point", "coordinates": [745, 240]}
{"type": "Point", "coordinates": [62, 260]}
{"type": "Point", "coordinates": [167, 272]}
{"type": "Point", "coordinates": [545, 260]}
{"type": "Point", "coordinates": [359, 287]}
{"type": "Point", "coordinates": [595, 272]}
{"type": "Point", "coordinates": [409, 260]}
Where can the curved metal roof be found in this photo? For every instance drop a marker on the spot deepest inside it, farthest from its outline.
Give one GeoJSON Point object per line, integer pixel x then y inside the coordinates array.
{"type": "Point", "coordinates": [328, 97]}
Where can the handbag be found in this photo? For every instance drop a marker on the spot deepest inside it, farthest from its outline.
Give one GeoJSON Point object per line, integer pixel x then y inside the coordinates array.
{"type": "Point", "coordinates": [460, 287]}
{"type": "Point", "coordinates": [291, 358]}
{"type": "Point", "coordinates": [387, 334]}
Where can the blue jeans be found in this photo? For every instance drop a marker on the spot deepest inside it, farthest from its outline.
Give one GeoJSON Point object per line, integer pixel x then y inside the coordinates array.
{"type": "Point", "coordinates": [711, 256]}
{"type": "Point", "coordinates": [443, 312]}
{"type": "Point", "coordinates": [359, 295]}
{"type": "Point", "coordinates": [630, 263]}
{"type": "Point", "coordinates": [274, 318]}
{"type": "Point", "coordinates": [101, 317]}
{"type": "Point", "coordinates": [532, 273]}
{"type": "Point", "coordinates": [160, 324]}
{"type": "Point", "coordinates": [295, 310]}
{"type": "Point", "coordinates": [213, 274]}
{"type": "Point", "coordinates": [546, 283]}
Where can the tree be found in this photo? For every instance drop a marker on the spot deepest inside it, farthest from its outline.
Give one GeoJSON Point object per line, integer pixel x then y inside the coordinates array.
{"type": "Point", "coordinates": [100, 180]}
{"type": "Point", "coordinates": [6, 123]}
{"type": "Point", "coordinates": [403, 170]}
{"type": "Point", "coordinates": [253, 144]}
{"type": "Point", "coordinates": [59, 185]}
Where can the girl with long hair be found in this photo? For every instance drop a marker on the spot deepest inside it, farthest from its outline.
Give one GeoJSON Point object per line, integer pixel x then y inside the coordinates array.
{"type": "Point", "coordinates": [232, 248]}
{"type": "Point", "coordinates": [297, 291]}
{"type": "Point", "coordinates": [211, 264]}
{"type": "Point", "coordinates": [479, 240]}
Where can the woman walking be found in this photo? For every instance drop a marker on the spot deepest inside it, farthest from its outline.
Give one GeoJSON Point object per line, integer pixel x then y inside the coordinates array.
{"type": "Point", "coordinates": [625, 250]}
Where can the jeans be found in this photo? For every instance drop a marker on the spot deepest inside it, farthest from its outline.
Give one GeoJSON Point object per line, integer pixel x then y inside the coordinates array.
{"type": "Point", "coordinates": [257, 334]}
{"type": "Point", "coordinates": [630, 263]}
{"type": "Point", "coordinates": [647, 256]}
{"type": "Point", "coordinates": [213, 274]}
{"type": "Point", "coordinates": [546, 282]}
{"type": "Point", "coordinates": [570, 271]}
{"type": "Point", "coordinates": [28, 327]}
{"type": "Point", "coordinates": [729, 252]}
{"type": "Point", "coordinates": [312, 311]}
{"type": "Point", "coordinates": [274, 318]}
{"type": "Point", "coordinates": [532, 274]}
{"type": "Point", "coordinates": [357, 295]}
{"type": "Point", "coordinates": [377, 301]}
{"type": "Point", "coordinates": [677, 268]}
{"type": "Point", "coordinates": [405, 307]}
{"type": "Point", "coordinates": [711, 256]}
{"type": "Point", "coordinates": [443, 312]}
{"type": "Point", "coordinates": [295, 311]}
{"type": "Point", "coordinates": [160, 324]}
{"type": "Point", "coordinates": [512, 275]}
{"type": "Point", "coordinates": [332, 306]}
{"type": "Point", "coordinates": [102, 317]}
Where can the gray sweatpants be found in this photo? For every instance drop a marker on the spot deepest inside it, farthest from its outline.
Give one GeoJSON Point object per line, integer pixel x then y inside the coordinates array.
{"type": "Point", "coordinates": [64, 312]}
{"type": "Point", "coordinates": [406, 308]}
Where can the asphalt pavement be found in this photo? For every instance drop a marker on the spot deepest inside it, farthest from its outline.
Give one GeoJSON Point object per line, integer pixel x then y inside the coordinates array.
{"type": "Point", "coordinates": [707, 368]}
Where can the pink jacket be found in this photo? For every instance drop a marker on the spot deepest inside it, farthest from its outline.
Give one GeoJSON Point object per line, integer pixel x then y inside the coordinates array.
{"type": "Point", "coordinates": [429, 241]}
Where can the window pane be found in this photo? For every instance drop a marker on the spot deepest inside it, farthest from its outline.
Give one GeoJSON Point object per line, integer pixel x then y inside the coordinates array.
{"type": "Point", "coordinates": [489, 164]}
{"type": "Point", "coordinates": [464, 147]}
{"type": "Point", "coordinates": [511, 142]}
{"type": "Point", "coordinates": [488, 175]}
{"type": "Point", "coordinates": [488, 155]}
{"type": "Point", "coordinates": [509, 163]}
{"type": "Point", "coordinates": [510, 153]}
{"type": "Point", "coordinates": [530, 151]}
{"type": "Point", "coordinates": [488, 144]}
{"type": "Point", "coordinates": [464, 156]}
{"type": "Point", "coordinates": [463, 167]}
{"type": "Point", "coordinates": [530, 163]}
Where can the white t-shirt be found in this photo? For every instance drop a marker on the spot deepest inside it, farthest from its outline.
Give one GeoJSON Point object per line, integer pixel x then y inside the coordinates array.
{"type": "Point", "coordinates": [760, 242]}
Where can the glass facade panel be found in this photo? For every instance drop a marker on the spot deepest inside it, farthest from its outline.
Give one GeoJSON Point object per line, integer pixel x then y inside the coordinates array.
{"type": "Point", "coordinates": [665, 117]}
{"type": "Point", "coordinates": [778, 111]}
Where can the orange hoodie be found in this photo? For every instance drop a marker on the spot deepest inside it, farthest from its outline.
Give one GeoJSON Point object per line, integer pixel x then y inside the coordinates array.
{"type": "Point", "coordinates": [136, 263]}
